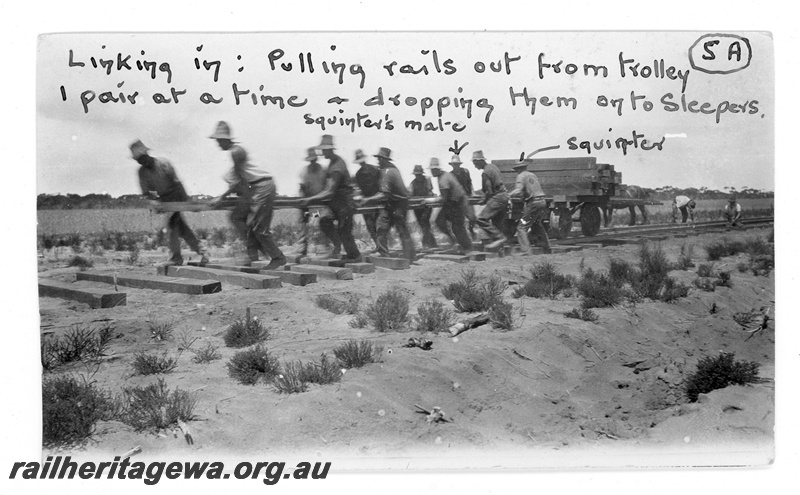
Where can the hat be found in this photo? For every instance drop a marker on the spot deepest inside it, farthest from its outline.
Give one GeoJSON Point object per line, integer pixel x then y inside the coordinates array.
{"type": "Point", "coordinates": [312, 154]}
{"type": "Point", "coordinates": [327, 143]}
{"type": "Point", "coordinates": [456, 160]}
{"type": "Point", "coordinates": [732, 199]}
{"type": "Point", "coordinates": [520, 164]}
{"type": "Point", "coordinates": [478, 156]}
{"type": "Point", "coordinates": [360, 157]}
{"type": "Point", "coordinates": [138, 149]}
{"type": "Point", "coordinates": [223, 131]}
{"type": "Point", "coordinates": [418, 170]}
{"type": "Point", "coordinates": [384, 153]}
{"type": "Point", "coordinates": [435, 164]}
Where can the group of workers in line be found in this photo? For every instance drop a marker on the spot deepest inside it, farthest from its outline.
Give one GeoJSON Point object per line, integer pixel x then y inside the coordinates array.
{"type": "Point", "coordinates": [685, 206]}
{"type": "Point", "coordinates": [341, 194]}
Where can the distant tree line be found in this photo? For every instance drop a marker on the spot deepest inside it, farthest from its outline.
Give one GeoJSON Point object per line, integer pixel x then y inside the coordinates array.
{"type": "Point", "coordinates": [100, 201]}
{"type": "Point", "coordinates": [668, 192]}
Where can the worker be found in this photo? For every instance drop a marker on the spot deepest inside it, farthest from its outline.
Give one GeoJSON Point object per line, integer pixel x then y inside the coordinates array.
{"type": "Point", "coordinates": [535, 211]}
{"type": "Point", "coordinates": [368, 180]}
{"type": "Point", "coordinates": [421, 187]}
{"type": "Point", "coordinates": [311, 182]}
{"type": "Point", "coordinates": [159, 182]}
{"type": "Point", "coordinates": [686, 206]}
{"type": "Point", "coordinates": [462, 175]}
{"type": "Point", "coordinates": [733, 212]}
{"type": "Point", "coordinates": [337, 221]}
{"type": "Point", "coordinates": [495, 197]}
{"type": "Point", "coordinates": [256, 191]}
{"type": "Point", "coordinates": [450, 219]}
{"type": "Point", "coordinates": [395, 196]}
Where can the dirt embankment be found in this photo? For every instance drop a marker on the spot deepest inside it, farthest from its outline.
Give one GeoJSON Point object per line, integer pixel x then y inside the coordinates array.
{"type": "Point", "coordinates": [551, 384]}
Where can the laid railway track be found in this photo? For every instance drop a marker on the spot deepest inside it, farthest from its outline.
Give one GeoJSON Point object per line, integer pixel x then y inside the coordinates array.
{"type": "Point", "coordinates": [610, 234]}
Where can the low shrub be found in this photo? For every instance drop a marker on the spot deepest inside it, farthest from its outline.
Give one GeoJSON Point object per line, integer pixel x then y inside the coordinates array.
{"type": "Point", "coordinates": [389, 311]}
{"type": "Point", "coordinates": [673, 290]}
{"type": "Point", "coordinates": [685, 258]}
{"type": "Point", "coordinates": [289, 380]}
{"type": "Point", "coordinates": [582, 314]}
{"type": "Point", "coordinates": [598, 290]}
{"type": "Point", "coordinates": [722, 248]}
{"type": "Point", "coordinates": [433, 317]}
{"type": "Point", "coordinates": [653, 280]}
{"type": "Point", "coordinates": [71, 408]}
{"type": "Point", "coordinates": [705, 284]}
{"type": "Point", "coordinates": [545, 281]}
{"type": "Point", "coordinates": [245, 332]}
{"type": "Point", "coordinates": [78, 344]}
{"type": "Point", "coordinates": [359, 320]}
{"type": "Point", "coordinates": [206, 354]}
{"type": "Point", "coordinates": [355, 354]}
{"type": "Point", "coordinates": [80, 262]}
{"type": "Point", "coordinates": [473, 293]}
{"type": "Point", "coordinates": [621, 272]}
{"type": "Point", "coordinates": [719, 372]}
{"type": "Point", "coordinates": [724, 279]}
{"type": "Point", "coordinates": [501, 316]}
{"type": "Point", "coordinates": [161, 330]}
{"type": "Point", "coordinates": [322, 373]}
{"type": "Point", "coordinates": [705, 270]}
{"type": "Point", "coordinates": [151, 364]}
{"type": "Point", "coordinates": [253, 365]}
{"type": "Point", "coordinates": [337, 306]}
{"type": "Point", "coordinates": [154, 407]}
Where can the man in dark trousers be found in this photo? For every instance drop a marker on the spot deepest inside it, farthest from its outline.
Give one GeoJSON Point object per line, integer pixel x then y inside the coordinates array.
{"type": "Point", "coordinates": [395, 207]}
{"type": "Point", "coordinates": [495, 199]}
{"type": "Point", "coordinates": [311, 182]}
{"type": "Point", "coordinates": [535, 211]}
{"type": "Point", "coordinates": [421, 187]}
{"type": "Point", "coordinates": [256, 191]}
{"type": "Point", "coordinates": [450, 219]}
{"type": "Point", "coordinates": [337, 221]}
{"type": "Point", "coordinates": [158, 181]}
{"type": "Point", "coordinates": [463, 177]}
{"type": "Point", "coordinates": [368, 180]}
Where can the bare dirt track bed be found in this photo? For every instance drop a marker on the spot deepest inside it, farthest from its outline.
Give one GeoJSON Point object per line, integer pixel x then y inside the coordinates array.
{"type": "Point", "coordinates": [550, 385]}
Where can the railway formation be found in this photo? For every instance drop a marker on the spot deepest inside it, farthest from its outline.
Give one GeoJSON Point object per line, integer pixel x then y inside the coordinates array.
{"type": "Point", "coordinates": [103, 292]}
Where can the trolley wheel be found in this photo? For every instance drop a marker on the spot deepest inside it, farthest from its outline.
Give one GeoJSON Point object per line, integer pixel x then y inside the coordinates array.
{"type": "Point", "coordinates": [591, 218]}
{"type": "Point", "coordinates": [561, 223]}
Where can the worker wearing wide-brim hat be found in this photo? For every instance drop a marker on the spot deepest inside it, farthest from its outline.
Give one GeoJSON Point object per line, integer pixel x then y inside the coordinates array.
{"type": "Point", "coordinates": [337, 221]}
{"type": "Point", "coordinates": [312, 181]}
{"type": "Point", "coordinates": [535, 211]}
{"type": "Point", "coordinates": [421, 187]}
{"type": "Point", "coordinates": [464, 178]}
{"type": "Point", "coordinates": [256, 190]}
{"type": "Point", "coordinates": [394, 194]}
{"type": "Point", "coordinates": [368, 180]}
{"type": "Point", "coordinates": [159, 181]}
{"type": "Point", "coordinates": [733, 212]}
{"type": "Point", "coordinates": [495, 197]}
{"type": "Point", "coordinates": [450, 220]}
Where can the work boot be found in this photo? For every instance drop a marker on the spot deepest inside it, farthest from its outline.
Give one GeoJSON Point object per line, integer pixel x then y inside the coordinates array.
{"type": "Point", "coordinates": [203, 258]}
{"type": "Point", "coordinates": [275, 263]}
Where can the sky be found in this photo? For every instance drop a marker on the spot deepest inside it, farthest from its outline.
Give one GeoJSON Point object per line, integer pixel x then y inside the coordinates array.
{"type": "Point", "coordinates": [83, 134]}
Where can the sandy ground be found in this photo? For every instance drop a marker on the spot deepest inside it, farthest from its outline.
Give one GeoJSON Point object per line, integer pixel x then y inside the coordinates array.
{"type": "Point", "coordinates": [551, 392]}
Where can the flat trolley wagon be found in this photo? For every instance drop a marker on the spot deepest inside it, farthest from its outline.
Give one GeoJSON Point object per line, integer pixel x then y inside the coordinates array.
{"type": "Point", "coordinates": [571, 185]}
